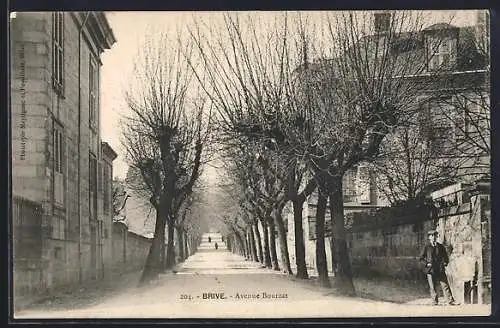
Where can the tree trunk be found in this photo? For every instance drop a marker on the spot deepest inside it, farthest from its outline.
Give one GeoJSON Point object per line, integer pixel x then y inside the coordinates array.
{"type": "Point", "coordinates": [170, 262]}
{"type": "Point", "coordinates": [285, 257]}
{"type": "Point", "coordinates": [272, 244]}
{"type": "Point", "coordinates": [267, 252]}
{"type": "Point", "coordinates": [259, 242]}
{"type": "Point", "coordinates": [253, 245]}
{"type": "Point", "coordinates": [186, 248]}
{"type": "Point", "coordinates": [232, 245]}
{"type": "Point", "coordinates": [247, 245]}
{"type": "Point", "coordinates": [334, 259]}
{"type": "Point", "coordinates": [321, 263]}
{"type": "Point", "coordinates": [180, 240]}
{"type": "Point", "coordinates": [154, 261]}
{"type": "Point", "coordinates": [343, 273]}
{"type": "Point", "coordinates": [300, 249]}
{"type": "Point", "coordinates": [163, 256]}
{"type": "Point", "coordinates": [241, 245]}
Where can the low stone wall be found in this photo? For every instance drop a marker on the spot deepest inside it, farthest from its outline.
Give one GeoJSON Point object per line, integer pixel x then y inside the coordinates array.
{"type": "Point", "coordinates": [125, 251]}
{"type": "Point", "coordinates": [128, 248]}
{"type": "Point", "coordinates": [390, 250]}
{"type": "Point", "coordinates": [391, 247]}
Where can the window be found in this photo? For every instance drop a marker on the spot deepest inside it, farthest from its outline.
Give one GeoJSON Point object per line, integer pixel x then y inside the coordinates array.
{"type": "Point", "coordinates": [363, 184]}
{"type": "Point", "coordinates": [58, 228]}
{"type": "Point", "coordinates": [59, 162]}
{"type": "Point", "coordinates": [100, 231]}
{"type": "Point", "coordinates": [93, 92]}
{"type": "Point", "coordinates": [58, 52]}
{"type": "Point", "coordinates": [100, 177]}
{"type": "Point", "coordinates": [349, 185]}
{"type": "Point", "coordinates": [440, 52]}
{"type": "Point", "coordinates": [93, 187]}
{"type": "Point", "coordinates": [382, 22]}
{"type": "Point", "coordinates": [57, 252]}
{"type": "Point", "coordinates": [436, 128]}
{"type": "Point", "coordinates": [107, 188]}
{"type": "Point", "coordinates": [472, 113]}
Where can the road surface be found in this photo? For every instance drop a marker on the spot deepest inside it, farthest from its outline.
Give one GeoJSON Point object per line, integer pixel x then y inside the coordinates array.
{"type": "Point", "coordinates": [218, 284]}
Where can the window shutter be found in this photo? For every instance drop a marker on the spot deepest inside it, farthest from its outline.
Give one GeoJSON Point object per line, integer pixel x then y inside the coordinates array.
{"type": "Point", "coordinates": [63, 153]}
{"type": "Point", "coordinates": [59, 153]}
{"type": "Point", "coordinates": [100, 177]}
{"type": "Point", "coordinates": [453, 52]}
{"type": "Point", "coordinates": [363, 185]}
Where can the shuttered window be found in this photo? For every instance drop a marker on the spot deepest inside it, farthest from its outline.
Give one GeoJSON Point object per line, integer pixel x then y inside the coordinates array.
{"type": "Point", "coordinates": [59, 158]}
{"type": "Point", "coordinates": [93, 187]}
{"type": "Point", "coordinates": [58, 52]}
{"type": "Point", "coordinates": [93, 93]}
{"type": "Point", "coordinates": [363, 185]}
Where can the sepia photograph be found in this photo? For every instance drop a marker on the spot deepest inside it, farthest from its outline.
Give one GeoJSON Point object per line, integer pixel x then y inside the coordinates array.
{"type": "Point", "coordinates": [250, 164]}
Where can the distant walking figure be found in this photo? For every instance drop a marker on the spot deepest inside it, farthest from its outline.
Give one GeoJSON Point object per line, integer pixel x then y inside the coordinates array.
{"type": "Point", "coordinates": [222, 238]}
{"type": "Point", "coordinates": [209, 239]}
{"type": "Point", "coordinates": [216, 246]}
{"type": "Point", "coordinates": [435, 258]}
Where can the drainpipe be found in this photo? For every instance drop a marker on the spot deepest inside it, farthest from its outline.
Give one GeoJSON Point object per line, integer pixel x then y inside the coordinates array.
{"type": "Point", "coordinates": [80, 270]}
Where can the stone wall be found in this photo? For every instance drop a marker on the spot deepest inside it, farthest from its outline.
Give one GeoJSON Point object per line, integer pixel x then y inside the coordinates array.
{"type": "Point", "coordinates": [129, 249]}
{"type": "Point", "coordinates": [27, 242]}
{"type": "Point", "coordinates": [391, 247]}
{"type": "Point", "coordinates": [36, 108]}
{"type": "Point", "coordinates": [388, 242]}
{"type": "Point", "coordinates": [129, 253]}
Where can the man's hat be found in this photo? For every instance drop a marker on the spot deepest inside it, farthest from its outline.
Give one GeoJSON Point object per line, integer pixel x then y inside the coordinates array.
{"type": "Point", "coordinates": [432, 232]}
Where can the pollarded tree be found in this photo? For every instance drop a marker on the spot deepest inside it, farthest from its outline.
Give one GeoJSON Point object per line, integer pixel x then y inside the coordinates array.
{"type": "Point", "coordinates": [352, 99]}
{"type": "Point", "coordinates": [248, 80]}
{"type": "Point", "coordinates": [164, 135]}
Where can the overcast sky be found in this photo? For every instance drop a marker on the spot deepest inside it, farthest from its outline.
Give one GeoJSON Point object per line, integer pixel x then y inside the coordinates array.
{"type": "Point", "coordinates": [129, 29]}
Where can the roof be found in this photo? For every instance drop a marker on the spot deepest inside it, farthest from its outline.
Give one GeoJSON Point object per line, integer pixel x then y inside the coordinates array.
{"type": "Point", "coordinates": [439, 26]}
{"type": "Point", "coordinates": [108, 151]}
{"type": "Point", "coordinates": [97, 26]}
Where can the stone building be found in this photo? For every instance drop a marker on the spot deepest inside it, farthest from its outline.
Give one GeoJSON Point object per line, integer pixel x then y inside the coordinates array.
{"type": "Point", "coordinates": [61, 170]}
{"type": "Point", "coordinates": [451, 126]}
{"type": "Point", "coordinates": [453, 118]}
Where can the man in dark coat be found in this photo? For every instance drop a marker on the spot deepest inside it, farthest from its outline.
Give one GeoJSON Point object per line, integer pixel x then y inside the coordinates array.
{"type": "Point", "coordinates": [435, 258]}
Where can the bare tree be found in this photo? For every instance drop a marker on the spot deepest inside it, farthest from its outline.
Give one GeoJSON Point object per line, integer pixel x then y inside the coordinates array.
{"type": "Point", "coordinates": [408, 168]}
{"type": "Point", "coordinates": [164, 136]}
{"type": "Point", "coordinates": [352, 99]}
{"type": "Point", "coordinates": [249, 81]}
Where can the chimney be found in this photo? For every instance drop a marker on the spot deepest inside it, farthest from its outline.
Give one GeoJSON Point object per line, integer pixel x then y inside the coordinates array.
{"type": "Point", "coordinates": [482, 17]}
{"type": "Point", "coordinates": [382, 22]}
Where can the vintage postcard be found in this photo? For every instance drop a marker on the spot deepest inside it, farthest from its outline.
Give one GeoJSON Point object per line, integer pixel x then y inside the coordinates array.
{"type": "Point", "coordinates": [258, 164]}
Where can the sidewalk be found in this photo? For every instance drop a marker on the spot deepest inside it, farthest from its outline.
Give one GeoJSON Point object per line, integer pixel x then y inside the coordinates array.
{"type": "Point", "coordinates": [383, 289]}
{"type": "Point", "coordinates": [80, 296]}
{"type": "Point", "coordinates": [392, 290]}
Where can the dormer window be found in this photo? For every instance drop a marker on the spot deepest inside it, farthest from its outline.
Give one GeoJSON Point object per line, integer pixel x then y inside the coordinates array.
{"type": "Point", "coordinates": [382, 22]}
{"type": "Point", "coordinates": [441, 52]}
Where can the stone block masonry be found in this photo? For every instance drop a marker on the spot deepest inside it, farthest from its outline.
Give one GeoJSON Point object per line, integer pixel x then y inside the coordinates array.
{"type": "Point", "coordinates": [391, 247]}
{"type": "Point", "coordinates": [68, 254]}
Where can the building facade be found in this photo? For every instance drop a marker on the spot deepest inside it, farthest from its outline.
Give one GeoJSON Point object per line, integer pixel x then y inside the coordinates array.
{"type": "Point", "coordinates": [451, 125]}
{"type": "Point", "coordinates": [61, 170]}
